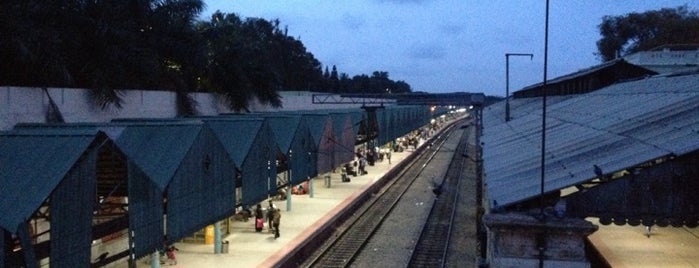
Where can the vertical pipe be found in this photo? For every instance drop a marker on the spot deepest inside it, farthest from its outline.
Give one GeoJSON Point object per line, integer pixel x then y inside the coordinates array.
{"type": "Point", "coordinates": [288, 196]}
{"type": "Point", "coordinates": [543, 113]}
{"type": "Point", "coordinates": [481, 232]}
{"type": "Point", "coordinates": [217, 237]}
{"type": "Point", "coordinates": [288, 181]}
{"type": "Point", "coordinates": [507, 87]}
{"type": "Point", "coordinates": [542, 241]}
{"type": "Point", "coordinates": [132, 249]}
{"type": "Point", "coordinates": [310, 187]}
{"type": "Point", "coordinates": [310, 171]}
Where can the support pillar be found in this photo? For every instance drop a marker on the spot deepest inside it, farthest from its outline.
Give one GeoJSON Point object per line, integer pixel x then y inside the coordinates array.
{"type": "Point", "coordinates": [310, 187]}
{"type": "Point", "coordinates": [217, 238]}
{"type": "Point", "coordinates": [288, 197]}
{"type": "Point", "coordinates": [521, 240]}
{"type": "Point", "coordinates": [155, 260]}
{"type": "Point", "coordinates": [27, 247]}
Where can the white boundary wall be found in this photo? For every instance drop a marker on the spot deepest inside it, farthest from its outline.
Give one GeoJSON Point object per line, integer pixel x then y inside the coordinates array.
{"type": "Point", "coordinates": [30, 105]}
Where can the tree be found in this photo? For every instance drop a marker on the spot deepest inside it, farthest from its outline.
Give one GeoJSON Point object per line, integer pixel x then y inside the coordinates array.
{"type": "Point", "coordinates": [100, 45]}
{"type": "Point", "coordinates": [240, 64]}
{"type": "Point", "coordinates": [636, 32]}
{"type": "Point", "coordinates": [31, 44]}
{"type": "Point", "coordinates": [106, 46]}
{"type": "Point", "coordinates": [334, 80]}
{"type": "Point", "coordinates": [300, 70]}
{"type": "Point", "coordinates": [181, 52]}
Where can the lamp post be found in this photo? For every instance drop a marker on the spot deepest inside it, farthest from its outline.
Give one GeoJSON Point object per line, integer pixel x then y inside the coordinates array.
{"type": "Point", "coordinates": [507, 80]}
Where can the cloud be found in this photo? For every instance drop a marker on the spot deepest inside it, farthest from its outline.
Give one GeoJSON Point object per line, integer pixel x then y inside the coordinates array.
{"type": "Point", "coordinates": [352, 22]}
{"type": "Point", "coordinates": [451, 28]}
{"type": "Point", "coordinates": [429, 51]}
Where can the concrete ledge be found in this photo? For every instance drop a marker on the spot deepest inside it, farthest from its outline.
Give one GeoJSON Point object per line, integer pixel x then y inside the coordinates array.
{"type": "Point", "coordinates": [521, 240]}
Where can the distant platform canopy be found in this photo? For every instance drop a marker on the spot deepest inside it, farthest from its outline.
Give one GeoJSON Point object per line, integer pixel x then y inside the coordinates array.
{"type": "Point", "coordinates": [587, 80]}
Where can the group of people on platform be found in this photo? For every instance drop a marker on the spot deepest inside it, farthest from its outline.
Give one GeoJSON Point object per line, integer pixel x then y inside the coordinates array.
{"type": "Point", "coordinates": [273, 219]}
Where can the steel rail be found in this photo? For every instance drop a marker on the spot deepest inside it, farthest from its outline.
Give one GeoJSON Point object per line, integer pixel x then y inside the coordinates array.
{"type": "Point", "coordinates": [341, 249]}
{"type": "Point", "coordinates": [432, 247]}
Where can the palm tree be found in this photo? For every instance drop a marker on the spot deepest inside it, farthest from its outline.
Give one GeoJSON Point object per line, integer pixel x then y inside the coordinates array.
{"type": "Point", "coordinates": [182, 51]}
{"type": "Point", "coordinates": [238, 65]}
{"type": "Point", "coordinates": [101, 45]}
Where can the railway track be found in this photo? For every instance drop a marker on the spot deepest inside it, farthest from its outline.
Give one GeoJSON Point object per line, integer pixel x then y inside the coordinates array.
{"type": "Point", "coordinates": [349, 238]}
{"type": "Point", "coordinates": [432, 247]}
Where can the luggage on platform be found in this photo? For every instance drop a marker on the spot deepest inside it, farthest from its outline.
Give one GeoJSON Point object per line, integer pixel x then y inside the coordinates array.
{"type": "Point", "coordinates": [259, 224]}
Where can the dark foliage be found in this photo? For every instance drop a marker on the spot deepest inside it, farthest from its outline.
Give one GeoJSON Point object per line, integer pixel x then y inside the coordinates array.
{"type": "Point", "coordinates": [111, 45]}
{"type": "Point", "coordinates": [635, 32]}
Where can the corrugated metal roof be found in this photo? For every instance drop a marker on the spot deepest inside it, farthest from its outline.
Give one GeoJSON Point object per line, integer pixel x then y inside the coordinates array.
{"type": "Point", "coordinates": [494, 114]}
{"type": "Point", "coordinates": [615, 128]}
{"type": "Point", "coordinates": [236, 134]}
{"type": "Point", "coordinates": [250, 142]}
{"type": "Point", "coordinates": [317, 124]}
{"type": "Point", "coordinates": [32, 164]}
{"type": "Point", "coordinates": [300, 142]}
{"type": "Point", "coordinates": [156, 147]}
{"type": "Point", "coordinates": [583, 72]}
{"type": "Point", "coordinates": [320, 126]}
{"type": "Point", "coordinates": [345, 137]}
{"type": "Point", "coordinates": [284, 128]}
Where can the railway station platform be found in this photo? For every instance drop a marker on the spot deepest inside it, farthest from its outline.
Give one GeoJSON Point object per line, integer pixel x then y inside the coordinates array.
{"type": "Point", "coordinates": [630, 246]}
{"type": "Point", "coordinates": [248, 248]}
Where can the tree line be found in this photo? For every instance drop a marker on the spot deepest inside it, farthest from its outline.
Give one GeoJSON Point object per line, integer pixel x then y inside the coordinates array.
{"type": "Point", "coordinates": [634, 32]}
{"type": "Point", "coordinates": [110, 45]}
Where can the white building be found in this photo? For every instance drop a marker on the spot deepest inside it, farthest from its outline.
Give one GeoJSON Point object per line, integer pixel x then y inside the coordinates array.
{"type": "Point", "coordinates": [667, 58]}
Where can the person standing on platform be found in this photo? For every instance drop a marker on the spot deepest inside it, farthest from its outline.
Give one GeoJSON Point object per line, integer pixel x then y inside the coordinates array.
{"type": "Point", "coordinates": [259, 218]}
{"type": "Point", "coordinates": [171, 257]}
{"type": "Point", "coordinates": [388, 156]}
{"type": "Point", "coordinates": [362, 166]}
{"type": "Point", "coordinates": [277, 215]}
{"type": "Point", "coordinates": [270, 216]}
{"type": "Point", "coordinates": [356, 167]}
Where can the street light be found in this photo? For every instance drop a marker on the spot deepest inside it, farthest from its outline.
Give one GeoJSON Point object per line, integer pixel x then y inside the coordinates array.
{"type": "Point", "coordinates": [507, 80]}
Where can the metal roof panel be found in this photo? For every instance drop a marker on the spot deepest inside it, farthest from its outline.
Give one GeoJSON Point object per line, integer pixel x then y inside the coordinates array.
{"type": "Point", "coordinates": [158, 149]}
{"type": "Point", "coordinates": [616, 128]}
{"type": "Point", "coordinates": [237, 135]}
{"type": "Point", "coordinates": [32, 164]}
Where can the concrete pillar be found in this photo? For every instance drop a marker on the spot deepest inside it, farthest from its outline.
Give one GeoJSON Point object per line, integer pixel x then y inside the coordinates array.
{"type": "Point", "coordinates": [288, 189]}
{"type": "Point", "coordinates": [155, 260]}
{"type": "Point", "coordinates": [217, 237]}
{"type": "Point", "coordinates": [288, 197]}
{"type": "Point", "coordinates": [310, 187]}
{"type": "Point", "coordinates": [521, 240]}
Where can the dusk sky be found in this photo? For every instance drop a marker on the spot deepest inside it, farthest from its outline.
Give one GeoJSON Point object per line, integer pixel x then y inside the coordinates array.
{"type": "Point", "coordinates": [445, 45]}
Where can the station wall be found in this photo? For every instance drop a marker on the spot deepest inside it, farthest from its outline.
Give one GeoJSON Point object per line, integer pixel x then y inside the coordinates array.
{"type": "Point", "coordinates": [30, 105]}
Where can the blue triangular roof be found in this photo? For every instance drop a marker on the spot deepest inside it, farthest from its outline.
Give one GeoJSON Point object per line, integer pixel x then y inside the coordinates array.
{"type": "Point", "coordinates": [317, 124]}
{"type": "Point", "coordinates": [236, 135]}
{"type": "Point", "coordinates": [32, 164]}
{"type": "Point", "coordinates": [158, 149]}
{"type": "Point", "coordinates": [284, 128]}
